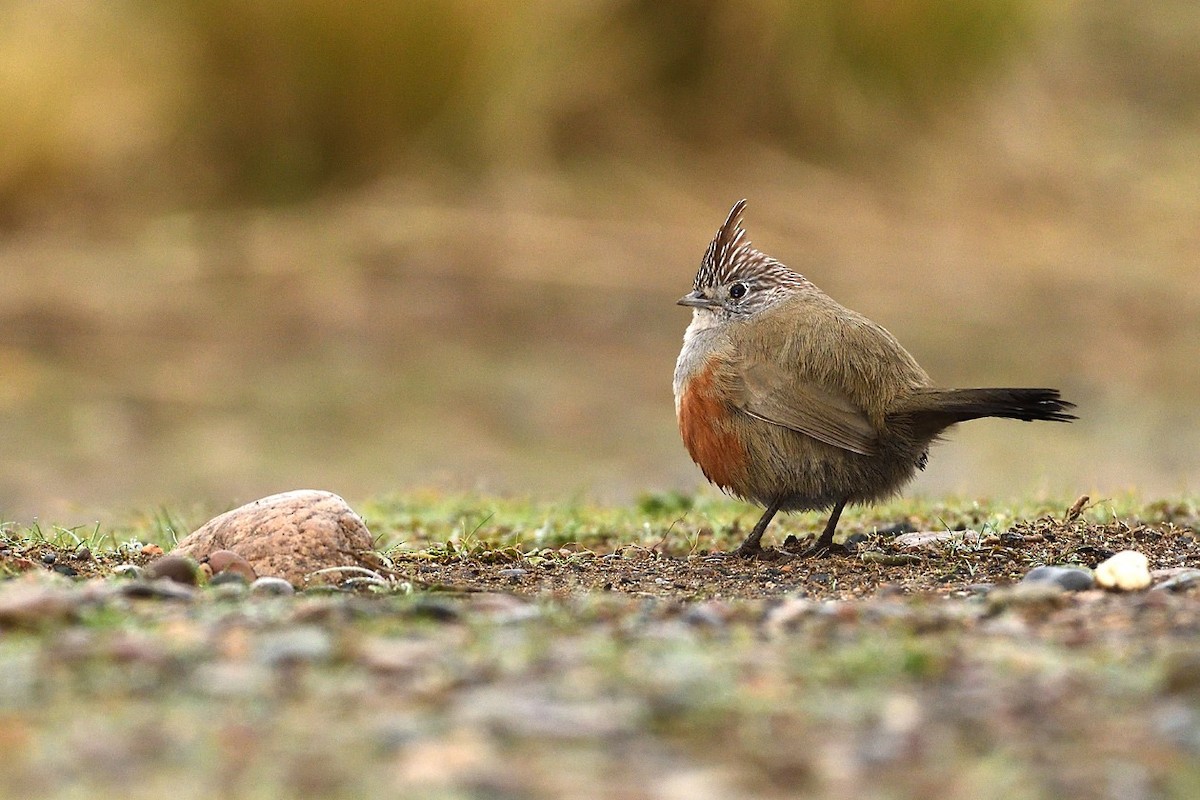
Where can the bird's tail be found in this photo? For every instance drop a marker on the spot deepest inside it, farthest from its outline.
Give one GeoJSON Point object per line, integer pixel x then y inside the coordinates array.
{"type": "Point", "coordinates": [934, 410]}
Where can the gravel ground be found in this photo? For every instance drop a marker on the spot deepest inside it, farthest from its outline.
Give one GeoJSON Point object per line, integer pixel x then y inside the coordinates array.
{"type": "Point", "coordinates": [622, 672]}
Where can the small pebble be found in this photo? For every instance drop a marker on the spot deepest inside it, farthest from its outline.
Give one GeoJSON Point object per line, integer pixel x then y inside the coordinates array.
{"type": "Point", "coordinates": [49, 558]}
{"type": "Point", "coordinates": [512, 572]}
{"type": "Point", "coordinates": [228, 590]}
{"type": "Point", "coordinates": [65, 569]}
{"type": "Point", "coordinates": [84, 553]}
{"type": "Point", "coordinates": [788, 614]}
{"type": "Point", "coordinates": [1127, 571]}
{"type": "Point", "coordinates": [158, 590]}
{"type": "Point", "coordinates": [151, 550]}
{"type": "Point", "coordinates": [1185, 579]}
{"type": "Point", "coordinates": [229, 561]}
{"type": "Point", "coordinates": [128, 571]}
{"type": "Point", "coordinates": [889, 559]}
{"type": "Point", "coordinates": [435, 610]}
{"type": "Point", "coordinates": [713, 615]}
{"type": "Point", "coordinates": [1070, 579]}
{"type": "Point", "coordinates": [896, 529]}
{"type": "Point", "coordinates": [1032, 595]}
{"type": "Point", "coordinates": [227, 579]}
{"type": "Point", "coordinates": [504, 609]}
{"type": "Point", "coordinates": [306, 644]}
{"type": "Point", "coordinates": [29, 605]}
{"type": "Point", "coordinates": [268, 585]}
{"type": "Point", "coordinates": [180, 569]}
{"type": "Point", "coordinates": [933, 539]}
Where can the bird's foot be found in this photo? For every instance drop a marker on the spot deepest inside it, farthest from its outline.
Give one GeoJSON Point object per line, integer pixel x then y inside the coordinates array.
{"type": "Point", "coordinates": [756, 552]}
{"type": "Point", "coordinates": [748, 550]}
{"type": "Point", "coordinates": [824, 551]}
{"type": "Point", "coordinates": [792, 546]}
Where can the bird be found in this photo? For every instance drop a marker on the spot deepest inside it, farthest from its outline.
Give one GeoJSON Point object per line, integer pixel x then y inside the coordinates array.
{"type": "Point", "coordinates": [787, 399]}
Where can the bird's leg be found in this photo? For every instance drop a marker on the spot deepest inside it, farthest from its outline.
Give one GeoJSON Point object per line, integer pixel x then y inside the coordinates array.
{"type": "Point", "coordinates": [750, 548]}
{"type": "Point", "coordinates": [825, 541]}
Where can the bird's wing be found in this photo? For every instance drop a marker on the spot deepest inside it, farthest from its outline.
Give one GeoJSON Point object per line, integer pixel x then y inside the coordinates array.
{"type": "Point", "coordinates": [781, 397]}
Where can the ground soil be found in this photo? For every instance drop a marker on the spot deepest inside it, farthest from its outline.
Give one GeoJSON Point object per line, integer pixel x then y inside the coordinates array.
{"type": "Point", "coordinates": [875, 565]}
{"type": "Point", "coordinates": [624, 671]}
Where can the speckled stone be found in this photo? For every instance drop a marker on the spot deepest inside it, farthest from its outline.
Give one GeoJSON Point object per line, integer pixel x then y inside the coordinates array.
{"type": "Point", "coordinates": [289, 535]}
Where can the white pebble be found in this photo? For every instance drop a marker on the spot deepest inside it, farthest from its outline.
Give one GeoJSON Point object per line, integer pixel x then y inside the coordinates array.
{"type": "Point", "coordinates": [267, 585]}
{"type": "Point", "coordinates": [1127, 571]}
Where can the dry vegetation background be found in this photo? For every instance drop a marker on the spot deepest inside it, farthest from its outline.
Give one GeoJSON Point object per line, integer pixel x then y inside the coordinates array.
{"type": "Point", "coordinates": [247, 247]}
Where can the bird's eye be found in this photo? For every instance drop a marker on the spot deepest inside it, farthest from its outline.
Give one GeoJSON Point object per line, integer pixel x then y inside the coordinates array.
{"type": "Point", "coordinates": [737, 291]}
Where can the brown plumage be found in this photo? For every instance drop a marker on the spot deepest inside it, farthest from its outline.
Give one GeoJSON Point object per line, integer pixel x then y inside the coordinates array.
{"type": "Point", "coordinates": [788, 399]}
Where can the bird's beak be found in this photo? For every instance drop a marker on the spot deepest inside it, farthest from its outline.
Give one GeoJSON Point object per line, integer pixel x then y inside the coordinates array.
{"type": "Point", "coordinates": [694, 299]}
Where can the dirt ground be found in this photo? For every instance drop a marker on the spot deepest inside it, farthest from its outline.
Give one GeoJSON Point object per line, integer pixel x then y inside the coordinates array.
{"type": "Point", "coordinates": [486, 670]}
{"type": "Point", "coordinates": [875, 565]}
{"type": "Point", "coordinates": [955, 563]}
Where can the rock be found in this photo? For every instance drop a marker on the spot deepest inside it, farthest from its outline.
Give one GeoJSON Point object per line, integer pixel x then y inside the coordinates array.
{"type": "Point", "coordinates": [151, 550]}
{"type": "Point", "coordinates": [889, 559]}
{"type": "Point", "coordinates": [267, 585]}
{"type": "Point", "coordinates": [132, 571]}
{"type": "Point", "coordinates": [1127, 571]}
{"type": "Point", "coordinates": [32, 605]}
{"type": "Point", "coordinates": [304, 644]}
{"type": "Point", "coordinates": [512, 573]}
{"type": "Point", "coordinates": [227, 561]}
{"type": "Point", "coordinates": [424, 607]}
{"type": "Point", "coordinates": [1032, 596]}
{"type": "Point", "coordinates": [289, 535]}
{"type": "Point", "coordinates": [931, 539]}
{"type": "Point", "coordinates": [1071, 579]}
{"type": "Point", "coordinates": [713, 615]}
{"type": "Point", "coordinates": [231, 588]}
{"type": "Point", "coordinates": [787, 615]}
{"type": "Point", "coordinates": [180, 569]}
{"type": "Point", "coordinates": [536, 712]}
{"type": "Point", "coordinates": [1179, 581]}
{"type": "Point", "coordinates": [228, 579]}
{"type": "Point", "coordinates": [160, 589]}
{"type": "Point", "coordinates": [504, 609]}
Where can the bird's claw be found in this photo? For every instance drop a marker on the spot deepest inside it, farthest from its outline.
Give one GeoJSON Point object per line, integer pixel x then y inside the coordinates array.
{"type": "Point", "coordinates": [759, 553]}
{"type": "Point", "coordinates": [823, 551]}
{"type": "Point", "coordinates": [819, 549]}
{"type": "Point", "coordinates": [747, 552]}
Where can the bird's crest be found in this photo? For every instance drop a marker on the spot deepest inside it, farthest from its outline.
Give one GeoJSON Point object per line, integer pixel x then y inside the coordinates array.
{"type": "Point", "coordinates": [730, 257]}
{"type": "Point", "coordinates": [722, 250]}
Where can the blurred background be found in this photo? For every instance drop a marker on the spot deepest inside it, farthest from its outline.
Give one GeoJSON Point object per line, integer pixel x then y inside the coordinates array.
{"type": "Point", "coordinates": [367, 247]}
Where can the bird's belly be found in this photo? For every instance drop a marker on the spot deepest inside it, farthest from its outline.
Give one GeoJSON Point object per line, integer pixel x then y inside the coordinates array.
{"type": "Point", "coordinates": [706, 423]}
{"type": "Point", "coordinates": [810, 474]}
